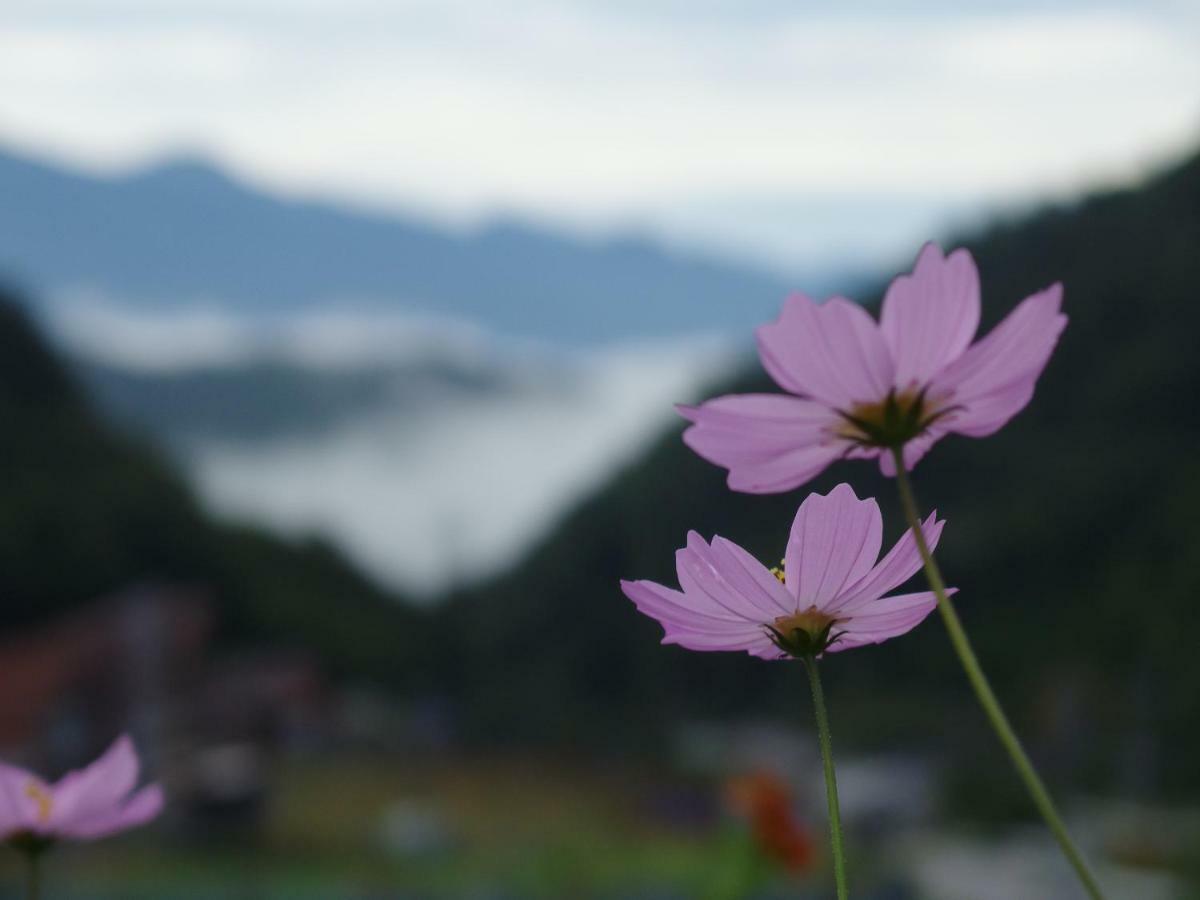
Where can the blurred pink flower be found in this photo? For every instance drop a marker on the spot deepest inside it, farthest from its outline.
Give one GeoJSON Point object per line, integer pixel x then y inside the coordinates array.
{"type": "Point", "coordinates": [86, 804]}
{"type": "Point", "coordinates": [829, 595]}
{"type": "Point", "coordinates": [863, 387]}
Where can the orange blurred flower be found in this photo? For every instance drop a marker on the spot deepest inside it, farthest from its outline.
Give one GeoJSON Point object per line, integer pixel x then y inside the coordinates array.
{"type": "Point", "coordinates": [764, 800]}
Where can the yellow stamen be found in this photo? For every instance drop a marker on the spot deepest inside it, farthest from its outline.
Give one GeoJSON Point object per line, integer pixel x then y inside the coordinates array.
{"type": "Point", "coordinates": [42, 799]}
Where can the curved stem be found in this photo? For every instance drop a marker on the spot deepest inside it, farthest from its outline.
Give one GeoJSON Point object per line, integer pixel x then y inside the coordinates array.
{"type": "Point", "coordinates": [985, 694]}
{"type": "Point", "coordinates": [831, 792]}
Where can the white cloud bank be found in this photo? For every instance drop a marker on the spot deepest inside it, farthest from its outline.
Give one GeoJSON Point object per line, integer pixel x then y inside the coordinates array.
{"type": "Point", "coordinates": [449, 494]}
{"type": "Point", "coordinates": [97, 328]}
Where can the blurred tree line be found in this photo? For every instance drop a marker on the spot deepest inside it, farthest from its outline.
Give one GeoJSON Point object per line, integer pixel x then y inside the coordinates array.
{"type": "Point", "coordinates": [85, 511]}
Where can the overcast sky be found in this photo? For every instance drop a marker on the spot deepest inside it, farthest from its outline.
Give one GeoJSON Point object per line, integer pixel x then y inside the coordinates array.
{"type": "Point", "coordinates": [782, 130]}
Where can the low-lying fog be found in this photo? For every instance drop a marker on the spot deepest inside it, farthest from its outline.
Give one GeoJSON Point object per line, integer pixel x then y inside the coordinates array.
{"type": "Point", "coordinates": [430, 453]}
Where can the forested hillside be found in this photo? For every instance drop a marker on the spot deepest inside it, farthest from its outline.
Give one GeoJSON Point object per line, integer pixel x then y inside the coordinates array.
{"type": "Point", "coordinates": [84, 511]}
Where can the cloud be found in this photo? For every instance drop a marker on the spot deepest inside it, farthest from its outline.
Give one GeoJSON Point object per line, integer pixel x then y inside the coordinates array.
{"type": "Point", "coordinates": [100, 329]}
{"type": "Point", "coordinates": [603, 113]}
{"type": "Point", "coordinates": [435, 482]}
{"type": "Point", "coordinates": [427, 499]}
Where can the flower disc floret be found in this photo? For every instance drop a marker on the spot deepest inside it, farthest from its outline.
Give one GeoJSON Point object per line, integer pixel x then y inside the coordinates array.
{"type": "Point", "coordinates": [898, 418]}
{"type": "Point", "coordinates": [807, 633]}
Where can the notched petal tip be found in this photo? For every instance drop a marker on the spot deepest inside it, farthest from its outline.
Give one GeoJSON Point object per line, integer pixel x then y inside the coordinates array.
{"type": "Point", "coordinates": [1051, 299]}
{"type": "Point", "coordinates": [123, 745]}
{"type": "Point", "coordinates": [844, 489]}
{"type": "Point", "coordinates": [930, 250]}
{"type": "Point", "coordinates": [931, 253]}
{"type": "Point", "coordinates": [790, 302]}
{"type": "Point", "coordinates": [146, 804]}
{"type": "Point", "coordinates": [830, 352]}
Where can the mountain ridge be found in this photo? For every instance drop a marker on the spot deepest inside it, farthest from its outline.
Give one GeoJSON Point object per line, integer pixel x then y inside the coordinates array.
{"type": "Point", "coordinates": [180, 233]}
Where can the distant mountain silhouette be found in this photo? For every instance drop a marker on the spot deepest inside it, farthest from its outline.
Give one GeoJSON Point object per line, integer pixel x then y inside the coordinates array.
{"type": "Point", "coordinates": [184, 232]}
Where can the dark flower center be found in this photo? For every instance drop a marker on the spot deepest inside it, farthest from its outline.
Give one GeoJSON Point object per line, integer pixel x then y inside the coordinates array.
{"type": "Point", "coordinates": [893, 421]}
{"type": "Point", "coordinates": [30, 844]}
{"type": "Point", "coordinates": [806, 633]}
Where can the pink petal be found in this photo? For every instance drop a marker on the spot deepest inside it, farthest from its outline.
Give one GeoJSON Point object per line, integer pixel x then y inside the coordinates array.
{"type": "Point", "coordinates": [718, 579]}
{"type": "Point", "coordinates": [835, 540]}
{"type": "Point", "coordinates": [143, 806]}
{"type": "Point", "coordinates": [17, 809]}
{"type": "Point", "coordinates": [767, 650]}
{"type": "Point", "coordinates": [913, 451]}
{"type": "Point", "coordinates": [752, 580]}
{"type": "Point", "coordinates": [784, 473]}
{"type": "Point", "coordinates": [989, 414]}
{"type": "Point", "coordinates": [755, 642]}
{"type": "Point", "coordinates": [901, 563]}
{"type": "Point", "coordinates": [885, 619]}
{"type": "Point", "coordinates": [888, 613]}
{"type": "Point", "coordinates": [929, 317]}
{"type": "Point", "coordinates": [674, 607]}
{"type": "Point", "coordinates": [768, 442]}
{"type": "Point", "coordinates": [831, 352]}
{"type": "Point", "coordinates": [97, 789]}
{"type": "Point", "coordinates": [684, 625]}
{"type": "Point", "coordinates": [727, 597]}
{"type": "Point", "coordinates": [993, 380]}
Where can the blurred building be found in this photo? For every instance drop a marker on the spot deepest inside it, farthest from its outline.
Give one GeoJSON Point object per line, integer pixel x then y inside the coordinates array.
{"type": "Point", "coordinates": [144, 661]}
{"type": "Point", "coordinates": [128, 662]}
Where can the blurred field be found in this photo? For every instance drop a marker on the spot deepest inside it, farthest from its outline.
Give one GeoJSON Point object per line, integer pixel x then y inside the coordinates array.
{"type": "Point", "coordinates": [386, 827]}
{"type": "Point", "coordinates": [373, 827]}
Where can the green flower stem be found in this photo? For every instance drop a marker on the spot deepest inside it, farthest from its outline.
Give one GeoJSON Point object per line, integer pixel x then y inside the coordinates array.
{"type": "Point", "coordinates": [33, 882]}
{"type": "Point", "coordinates": [983, 690]}
{"type": "Point", "coordinates": [831, 791]}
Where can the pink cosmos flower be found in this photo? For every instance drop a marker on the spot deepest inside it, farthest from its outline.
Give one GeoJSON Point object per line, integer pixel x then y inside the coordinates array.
{"type": "Point", "coordinates": [863, 387]}
{"type": "Point", "coordinates": [829, 595]}
{"type": "Point", "coordinates": [84, 805]}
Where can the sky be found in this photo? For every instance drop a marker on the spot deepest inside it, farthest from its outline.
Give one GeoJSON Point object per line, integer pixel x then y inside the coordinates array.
{"type": "Point", "coordinates": [774, 130]}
